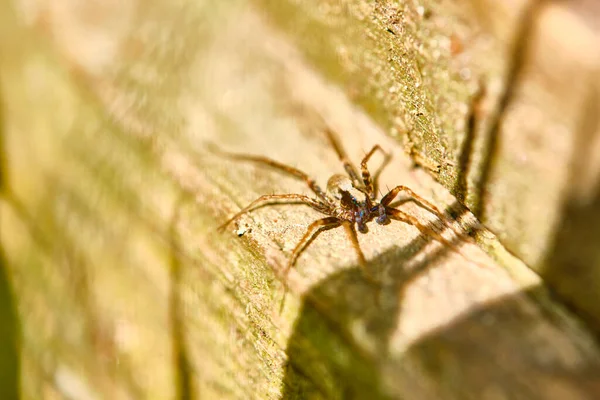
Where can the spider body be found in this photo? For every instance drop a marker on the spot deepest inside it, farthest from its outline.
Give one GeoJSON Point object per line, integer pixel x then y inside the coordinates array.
{"type": "Point", "coordinates": [349, 201]}
{"type": "Point", "coordinates": [352, 204]}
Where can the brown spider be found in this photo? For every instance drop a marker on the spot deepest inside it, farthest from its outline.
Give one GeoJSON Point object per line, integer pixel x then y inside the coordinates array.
{"type": "Point", "coordinates": [347, 201]}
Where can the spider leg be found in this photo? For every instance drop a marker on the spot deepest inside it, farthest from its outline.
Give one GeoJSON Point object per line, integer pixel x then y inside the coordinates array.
{"type": "Point", "coordinates": [311, 234]}
{"type": "Point", "coordinates": [351, 231]}
{"type": "Point", "coordinates": [424, 229]}
{"type": "Point", "coordinates": [277, 198]}
{"type": "Point", "coordinates": [387, 199]}
{"type": "Point", "coordinates": [409, 219]}
{"type": "Point", "coordinates": [282, 167]}
{"type": "Point", "coordinates": [366, 175]}
{"type": "Point", "coordinates": [339, 150]}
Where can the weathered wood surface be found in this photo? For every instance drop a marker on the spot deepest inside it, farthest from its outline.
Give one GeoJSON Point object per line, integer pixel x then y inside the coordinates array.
{"type": "Point", "coordinates": [530, 167]}
{"type": "Point", "coordinates": [112, 197]}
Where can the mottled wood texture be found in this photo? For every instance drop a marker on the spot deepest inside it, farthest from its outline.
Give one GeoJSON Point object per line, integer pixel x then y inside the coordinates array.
{"type": "Point", "coordinates": [118, 285]}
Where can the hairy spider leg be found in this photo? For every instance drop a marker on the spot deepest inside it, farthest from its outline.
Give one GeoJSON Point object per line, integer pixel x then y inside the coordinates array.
{"type": "Point", "coordinates": [351, 231]}
{"type": "Point", "coordinates": [366, 175]}
{"type": "Point", "coordinates": [311, 234]}
{"type": "Point", "coordinates": [282, 167]}
{"type": "Point", "coordinates": [277, 198]}
{"type": "Point", "coordinates": [399, 215]}
{"type": "Point", "coordinates": [339, 150]}
{"type": "Point", "coordinates": [387, 199]}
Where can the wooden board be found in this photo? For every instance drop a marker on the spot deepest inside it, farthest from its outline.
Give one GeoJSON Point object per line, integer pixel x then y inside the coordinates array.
{"type": "Point", "coordinates": [125, 289]}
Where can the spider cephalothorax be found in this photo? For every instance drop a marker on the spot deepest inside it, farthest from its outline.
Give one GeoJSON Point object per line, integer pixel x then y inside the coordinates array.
{"type": "Point", "coordinates": [349, 201]}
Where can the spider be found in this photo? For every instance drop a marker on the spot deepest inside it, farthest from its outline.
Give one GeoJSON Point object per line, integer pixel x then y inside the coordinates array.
{"type": "Point", "coordinates": [349, 201]}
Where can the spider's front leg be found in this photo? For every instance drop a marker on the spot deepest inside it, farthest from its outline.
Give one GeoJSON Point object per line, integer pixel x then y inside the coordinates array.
{"type": "Point", "coordinates": [425, 230]}
{"type": "Point", "coordinates": [366, 175]}
{"type": "Point", "coordinates": [391, 195]}
{"type": "Point", "coordinates": [401, 216]}
{"type": "Point", "coordinates": [420, 201]}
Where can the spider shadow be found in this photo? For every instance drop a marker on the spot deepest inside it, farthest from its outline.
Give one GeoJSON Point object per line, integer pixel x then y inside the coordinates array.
{"type": "Point", "coordinates": [572, 257]}
{"type": "Point", "coordinates": [572, 260]}
{"type": "Point", "coordinates": [323, 360]}
{"type": "Point", "coordinates": [491, 151]}
{"type": "Point", "coordinates": [491, 136]}
{"type": "Point", "coordinates": [490, 345]}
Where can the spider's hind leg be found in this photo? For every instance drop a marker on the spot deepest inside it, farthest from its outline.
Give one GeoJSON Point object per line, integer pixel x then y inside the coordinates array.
{"type": "Point", "coordinates": [277, 198]}
{"type": "Point", "coordinates": [339, 150]}
{"type": "Point", "coordinates": [279, 166]}
{"type": "Point", "coordinates": [311, 234]}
